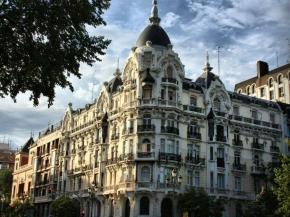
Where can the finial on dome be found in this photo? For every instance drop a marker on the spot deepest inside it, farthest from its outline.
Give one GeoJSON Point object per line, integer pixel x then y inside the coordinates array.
{"type": "Point", "coordinates": [207, 68]}
{"type": "Point", "coordinates": [154, 19]}
{"type": "Point", "coordinates": [117, 72]}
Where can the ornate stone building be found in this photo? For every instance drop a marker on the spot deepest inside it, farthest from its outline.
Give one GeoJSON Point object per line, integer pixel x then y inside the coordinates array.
{"type": "Point", "coordinates": [151, 134]}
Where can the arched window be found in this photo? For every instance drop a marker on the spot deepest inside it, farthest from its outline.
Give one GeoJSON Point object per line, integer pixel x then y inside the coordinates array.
{"type": "Point", "coordinates": [239, 91]}
{"type": "Point", "coordinates": [144, 206]}
{"type": "Point", "coordinates": [253, 88]}
{"type": "Point", "coordinates": [145, 174]}
{"type": "Point", "coordinates": [248, 90]}
{"type": "Point", "coordinates": [279, 79]}
{"type": "Point", "coordinates": [270, 82]}
{"type": "Point", "coordinates": [169, 72]}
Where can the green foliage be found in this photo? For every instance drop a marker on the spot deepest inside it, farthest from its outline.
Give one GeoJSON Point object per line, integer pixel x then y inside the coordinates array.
{"type": "Point", "coordinates": [6, 179]}
{"type": "Point", "coordinates": [199, 204]}
{"type": "Point", "coordinates": [265, 205]}
{"type": "Point", "coordinates": [44, 42]}
{"type": "Point", "coordinates": [19, 209]}
{"type": "Point", "coordinates": [65, 207]}
{"type": "Point", "coordinates": [282, 188]}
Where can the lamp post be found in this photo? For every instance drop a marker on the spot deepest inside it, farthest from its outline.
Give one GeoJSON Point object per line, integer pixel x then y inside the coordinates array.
{"type": "Point", "coordinates": [174, 180]}
{"type": "Point", "coordinates": [92, 189]}
{"type": "Point", "coordinates": [2, 203]}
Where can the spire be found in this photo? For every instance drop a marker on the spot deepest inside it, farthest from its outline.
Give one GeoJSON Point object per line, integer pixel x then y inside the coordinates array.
{"type": "Point", "coordinates": [117, 72]}
{"type": "Point", "coordinates": [154, 19]}
{"type": "Point", "coordinates": [207, 68]}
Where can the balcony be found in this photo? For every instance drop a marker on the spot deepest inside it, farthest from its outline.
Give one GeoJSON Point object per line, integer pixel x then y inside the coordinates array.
{"type": "Point", "coordinates": [238, 143]}
{"type": "Point", "coordinates": [258, 170]}
{"type": "Point", "coordinates": [171, 130]}
{"type": "Point", "coordinates": [146, 128]}
{"type": "Point", "coordinates": [144, 184]}
{"type": "Point", "coordinates": [194, 135]}
{"type": "Point", "coordinates": [195, 160]}
{"type": "Point", "coordinates": [257, 146]}
{"type": "Point", "coordinates": [169, 157]}
{"type": "Point", "coordinates": [274, 149]}
{"type": "Point", "coordinates": [170, 81]}
{"type": "Point", "coordinates": [145, 154]}
{"type": "Point", "coordinates": [128, 130]}
{"type": "Point", "coordinates": [220, 162]}
{"type": "Point", "coordinates": [221, 114]}
{"type": "Point", "coordinates": [111, 161]}
{"type": "Point", "coordinates": [192, 108]}
{"type": "Point", "coordinates": [115, 136]}
{"type": "Point", "coordinates": [239, 167]}
{"type": "Point", "coordinates": [220, 138]}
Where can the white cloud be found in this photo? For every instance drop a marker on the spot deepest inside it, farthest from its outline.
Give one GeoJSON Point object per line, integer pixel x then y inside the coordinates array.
{"type": "Point", "coordinates": [170, 20]}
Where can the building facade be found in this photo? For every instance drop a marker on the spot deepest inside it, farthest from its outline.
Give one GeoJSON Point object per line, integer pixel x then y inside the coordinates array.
{"type": "Point", "coordinates": [270, 85]}
{"type": "Point", "coordinates": [151, 134]}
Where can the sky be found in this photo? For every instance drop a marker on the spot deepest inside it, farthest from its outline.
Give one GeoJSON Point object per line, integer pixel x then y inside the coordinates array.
{"type": "Point", "coordinates": [245, 30]}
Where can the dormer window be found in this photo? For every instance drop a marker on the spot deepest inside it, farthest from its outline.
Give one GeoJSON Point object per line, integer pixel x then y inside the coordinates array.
{"type": "Point", "coordinates": [217, 104]}
{"type": "Point", "coordinates": [169, 72]}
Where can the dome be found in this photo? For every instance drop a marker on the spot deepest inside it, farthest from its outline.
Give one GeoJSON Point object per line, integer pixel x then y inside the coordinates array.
{"type": "Point", "coordinates": [155, 34]}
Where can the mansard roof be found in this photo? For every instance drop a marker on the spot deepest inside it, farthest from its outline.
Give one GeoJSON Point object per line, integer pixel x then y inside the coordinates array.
{"type": "Point", "coordinates": [113, 85]}
{"type": "Point", "coordinates": [248, 99]}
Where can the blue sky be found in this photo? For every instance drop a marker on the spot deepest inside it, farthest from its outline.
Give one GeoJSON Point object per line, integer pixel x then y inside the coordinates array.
{"type": "Point", "coordinates": [246, 31]}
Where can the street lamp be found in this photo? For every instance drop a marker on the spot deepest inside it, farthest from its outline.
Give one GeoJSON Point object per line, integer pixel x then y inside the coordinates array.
{"type": "Point", "coordinates": [2, 203]}
{"type": "Point", "coordinates": [174, 180]}
{"type": "Point", "coordinates": [91, 190]}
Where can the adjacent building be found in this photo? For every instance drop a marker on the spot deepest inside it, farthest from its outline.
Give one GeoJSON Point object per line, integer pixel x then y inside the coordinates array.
{"type": "Point", "coordinates": [151, 134]}
{"type": "Point", "coordinates": [7, 156]}
{"type": "Point", "coordinates": [270, 85]}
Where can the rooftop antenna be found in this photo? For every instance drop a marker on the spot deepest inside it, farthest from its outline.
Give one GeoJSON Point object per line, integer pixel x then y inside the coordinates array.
{"type": "Point", "coordinates": [93, 91]}
{"type": "Point", "coordinates": [218, 53]}
{"type": "Point", "coordinates": [288, 61]}
{"type": "Point", "coordinates": [277, 59]}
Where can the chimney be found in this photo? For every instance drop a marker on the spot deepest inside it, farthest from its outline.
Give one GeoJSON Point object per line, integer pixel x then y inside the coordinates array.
{"type": "Point", "coordinates": [262, 68]}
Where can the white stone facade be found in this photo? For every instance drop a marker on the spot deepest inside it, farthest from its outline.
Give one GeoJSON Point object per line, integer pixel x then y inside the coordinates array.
{"type": "Point", "coordinates": [116, 156]}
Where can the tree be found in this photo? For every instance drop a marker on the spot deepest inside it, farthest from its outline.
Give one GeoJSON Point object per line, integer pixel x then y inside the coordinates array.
{"type": "Point", "coordinates": [282, 188]}
{"type": "Point", "coordinates": [44, 42]}
{"type": "Point", "coordinates": [5, 182]}
{"type": "Point", "coordinates": [20, 209]}
{"type": "Point", "coordinates": [199, 204]}
{"type": "Point", "coordinates": [265, 205]}
{"type": "Point", "coordinates": [65, 207]}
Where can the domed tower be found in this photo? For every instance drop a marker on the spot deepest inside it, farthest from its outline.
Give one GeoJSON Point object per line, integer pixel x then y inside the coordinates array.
{"type": "Point", "coordinates": [153, 65]}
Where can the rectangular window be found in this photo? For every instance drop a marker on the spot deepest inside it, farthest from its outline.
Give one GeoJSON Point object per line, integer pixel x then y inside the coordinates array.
{"type": "Point", "coordinates": [162, 144]}
{"type": "Point", "coordinates": [170, 145]}
{"type": "Point", "coordinates": [236, 110]}
{"type": "Point", "coordinates": [237, 158]}
{"type": "Point", "coordinates": [196, 179]}
{"type": "Point", "coordinates": [238, 183]}
{"type": "Point", "coordinates": [211, 180]}
{"type": "Point", "coordinates": [272, 117]}
{"type": "Point", "coordinates": [162, 94]}
{"type": "Point", "coordinates": [189, 178]}
{"type": "Point", "coordinates": [280, 92]}
{"type": "Point", "coordinates": [193, 101]}
{"type": "Point", "coordinates": [262, 92]}
{"type": "Point", "coordinates": [271, 94]}
{"type": "Point", "coordinates": [211, 153]}
{"type": "Point", "coordinates": [189, 150]}
{"type": "Point", "coordinates": [177, 147]}
{"type": "Point", "coordinates": [131, 146]}
{"type": "Point", "coordinates": [254, 114]}
{"type": "Point", "coordinates": [221, 181]}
